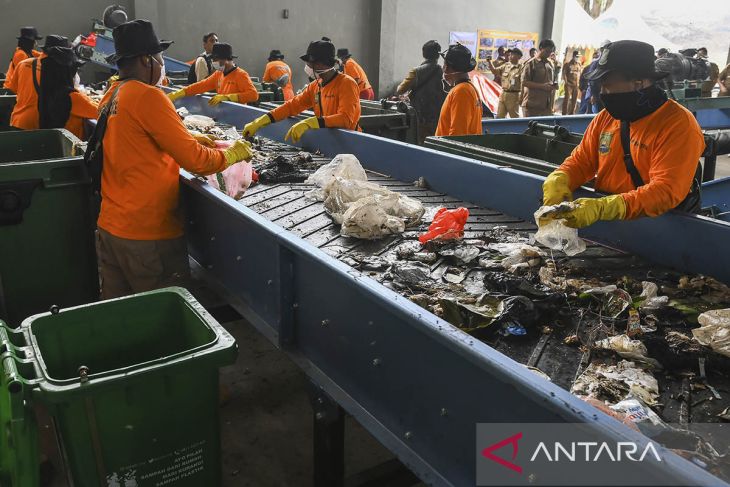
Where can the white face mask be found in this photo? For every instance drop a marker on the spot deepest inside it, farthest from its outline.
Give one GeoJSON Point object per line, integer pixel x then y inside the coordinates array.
{"type": "Point", "coordinates": [162, 71]}
{"type": "Point", "coordinates": [309, 71]}
{"type": "Point", "coordinates": [77, 80]}
{"type": "Point", "coordinates": [220, 66]}
{"type": "Point", "coordinates": [316, 74]}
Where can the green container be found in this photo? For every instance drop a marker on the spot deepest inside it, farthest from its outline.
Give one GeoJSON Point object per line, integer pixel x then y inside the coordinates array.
{"type": "Point", "coordinates": [7, 103]}
{"type": "Point", "coordinates": [47, 251]}
{"type": "Point", "coordinates": [132, 386]}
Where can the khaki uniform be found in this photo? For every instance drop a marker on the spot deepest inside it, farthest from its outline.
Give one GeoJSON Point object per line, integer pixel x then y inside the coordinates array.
{"type": "Point", "coordinates": [498, 63]}
{"type": "Point", "coordinates": [571, 76]}
{"type": "Point", "coordinates": [708, 85]}
{"type": "Point", "coordinates": [724, 80]}
{"type": "Point", "coordinates": [538, 102]}
{"type": "Point", "coordinates": [509, 100]}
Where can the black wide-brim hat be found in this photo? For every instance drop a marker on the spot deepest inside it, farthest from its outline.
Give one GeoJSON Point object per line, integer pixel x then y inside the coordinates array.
{"type": "Point", "coordinates": [222, 50]}
{"type": "Point", "coordinates": [459, 57]}
{"type": "Point", "coordinates": [136, 38]}
{"type": "Point", "coordinates": [54, 40]}
{"type": "Point", "coordinates": [343, 53]}
{"type": "Point", "coordinates": [631, 58]}
{"type": "Point", "coordinates": [320, 52]}
{"type": "Point", "coordinates": [275, 54]}
{"type": "Point", "coordinates": [30, 33]}
{"type": "Point", "coordinates": [64, 56]}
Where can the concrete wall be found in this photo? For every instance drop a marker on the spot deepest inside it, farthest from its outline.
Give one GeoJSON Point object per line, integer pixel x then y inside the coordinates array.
{"type": "Point", "coordinates": [64, 17]}
{"type": "Point", "coordinates": [407, 24]}
{"type": "Point", "coordinates": [254, 27]}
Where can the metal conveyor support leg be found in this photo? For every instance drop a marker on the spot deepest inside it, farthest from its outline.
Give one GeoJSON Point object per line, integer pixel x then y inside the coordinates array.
{"type": "Point", "coordinates": [329, 440]}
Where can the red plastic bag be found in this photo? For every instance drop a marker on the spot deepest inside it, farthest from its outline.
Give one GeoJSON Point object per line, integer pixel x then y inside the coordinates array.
{"type": "Point", "coordinates": [446, 224]}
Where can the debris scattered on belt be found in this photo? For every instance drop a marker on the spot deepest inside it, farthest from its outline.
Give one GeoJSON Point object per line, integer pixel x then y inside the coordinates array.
{"type": "Point", "coordinates": [554, 234]}
{"type": "Point", "coordinates": [714, 331]}
{"type": "Point", "coordinates": [518, 255]}
{"type": "Point", "coordinates": [637, 412]}
{"type": "Point", "coordinates": [182, 112]}
{"type": "Point", "coordinates": [471, 314]}
{"type": "Point", "coordinates": [614, 383]}
{"type": "Point", "coordinates": [410, 273]}
{"type": "Point", "coordinates": [627, 348]}
{"type": "Point", "coordinates": [651, 299]}
{"type": "Point", "coordinates": [198, 122]}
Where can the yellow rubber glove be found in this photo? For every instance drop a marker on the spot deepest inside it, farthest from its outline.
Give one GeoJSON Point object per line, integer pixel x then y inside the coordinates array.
{"type": "Point", "coordinates": [176, 95]}
{"type": "Point", "coordinates": [556, 189]}
{"type": "Point", "coordinates": [204, 139]}
{"type": "Point", "coordinates": [252, 127]}
{"type": "Point", "coordinates": [589, 210]}
{"type": "Point", "coordinates": [239, 151]}
{"type": "Point", "coordinates": [219, 98]}
{"type": "Point", "coordinates": [297, 130]}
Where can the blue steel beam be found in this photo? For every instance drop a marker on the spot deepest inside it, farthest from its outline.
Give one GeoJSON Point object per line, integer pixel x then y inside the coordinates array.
{"type": "Point", "coordinates": [414, 381]}
{"type": "Point", "coordinates": [105, 46]}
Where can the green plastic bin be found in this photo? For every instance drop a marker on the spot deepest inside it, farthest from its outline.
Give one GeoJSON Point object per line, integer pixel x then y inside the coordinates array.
{"type": "Point", "coordinates": [47, 253]}
{"type": "Point", "coordinates": [132, 386]}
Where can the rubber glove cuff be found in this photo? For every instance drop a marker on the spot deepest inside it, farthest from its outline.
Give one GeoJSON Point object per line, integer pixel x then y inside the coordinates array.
{"type": "Point", "coordinates": [556, 189]}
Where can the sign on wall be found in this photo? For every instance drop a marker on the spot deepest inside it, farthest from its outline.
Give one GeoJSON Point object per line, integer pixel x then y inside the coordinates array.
{"type": "Point", "coordinates": [468, 39]}
{"type": "Point", "coordinates": [491, 40]}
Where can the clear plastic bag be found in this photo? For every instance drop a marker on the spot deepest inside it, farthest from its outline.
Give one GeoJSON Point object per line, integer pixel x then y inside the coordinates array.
{"type": "Point", "coordinates": [715, 330]}
{"type": "Point", "coordinates": [341, 193]}
{"type": "Point", "coordinates": [555, 234]}
{"type": "Point", "coordinates": [198, 122]}
{"type": "Point", "coordinates": [345, 166]}
{"type": "Point", "coordinates": [233, 181]}
{"type": "Point", "coordinates": [379, 215]}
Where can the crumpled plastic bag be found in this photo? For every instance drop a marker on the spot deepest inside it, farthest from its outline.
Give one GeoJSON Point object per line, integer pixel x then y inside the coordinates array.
{"type": "Point", "coordinates": [446, 225]}
{"type": "Point", "coordinates": [650, 293]}
{"type": "Point", "coordinates": [379, 215]}
{"type": "Point", "coordinates": [715, 330]}
{"type": "Point", "coordinates": [627, 348]}
{"type": "Point", "coordinates": [198, 122]}
{"type": "Point", "coordinates": [341, 193]}
{"type": "Point", "coordinates": [233, 181]}
{"type": "Point", "coordinates": [555, 234]}
{"type": "Point", "coordinates": [519, 255]}
{"type": "Point", "coordinates": [614, 383]}
{"type": "Point", "coordinates": [345, 166]}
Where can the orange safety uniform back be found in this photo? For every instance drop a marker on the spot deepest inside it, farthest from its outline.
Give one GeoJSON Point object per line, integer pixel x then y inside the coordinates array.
{"type": "Point", "coordinates": [25, 113]}
{"type": "Point", "coordinates": [461, 113]}
{"type": "Point", "coordinates": [18, 56]}
{"type": "Point", "coordinates": [275, 70]}
{"type": "Point", "coordinates": [665, 145]}
{"type": "Point", "coordinates": [145, 145]}
{"type": "Point", "coordinates": [237, 82]}
{"type": "Point", "coordinates": [355, 71]}
{"type": "Point", "coordinates": [82, 108]}
{"type": "Point", "coordinates": [335, 103]}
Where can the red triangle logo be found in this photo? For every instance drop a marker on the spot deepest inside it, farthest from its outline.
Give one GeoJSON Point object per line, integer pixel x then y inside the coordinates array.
{"type": "Point", "coordinates": [488, 452]}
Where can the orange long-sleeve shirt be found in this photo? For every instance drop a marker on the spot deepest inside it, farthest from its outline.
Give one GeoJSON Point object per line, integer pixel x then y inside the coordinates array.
{"type": "Point", "coordinates": [145, 145]}
{"type": "Point", "coordinates": [25, 113]}
{"type": "Point", "coordinates": [237, 82]}
{"type": "Point", "coordinates": [82, 108]}
{"type": "Point", "coordinates": [355, 71]}
{"type": "Point", "coordinates": [275, 70]}
{"type": "Point", "coordinates": [335, 103]}
{"type": "Point", "coordinates": [18, 56]}
{"type": "Point", "coordinates": [461, 113]}
{"type": "Point", "coordinates": [665, 145]}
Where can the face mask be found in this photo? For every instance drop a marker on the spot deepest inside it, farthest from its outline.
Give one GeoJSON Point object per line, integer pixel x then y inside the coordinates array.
{"type": "Point", "coordinates": [633, 105]}
{"type": "Point", "coordinates": [446, 85]}
{"type": "Point", "coordinates": [309, 71]}
{"type": "Point", "coordinates": [77, 80]}
{"type": "Point", "coordinates": [162, 71]}
{"type": "Point", "coordinates": [220, 66]}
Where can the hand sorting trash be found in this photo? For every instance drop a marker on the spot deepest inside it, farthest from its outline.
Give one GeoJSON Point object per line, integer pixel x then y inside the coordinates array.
{"type": "Point", "coordinates": [364, 209]}
{"type": "Point", "coordinates": [446, 225]}
{"type": "Point", "coordinates": [554, 233]}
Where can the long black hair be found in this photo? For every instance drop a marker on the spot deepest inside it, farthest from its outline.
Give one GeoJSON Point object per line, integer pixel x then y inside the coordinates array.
{"type": "Point", "coordinates": [26, 45]}
{"type": "Point", "coordinates": [54, 100]}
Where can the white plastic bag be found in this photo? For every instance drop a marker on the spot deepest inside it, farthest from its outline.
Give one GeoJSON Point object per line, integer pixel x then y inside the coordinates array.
{"type": "Point", "coordinates": [715, 330]}
{"type": "Point", "coordinates": [345, 166]}
{"type": "Point", "coordinates": [379, 215]}
{"type": "Point", "coordinates": [555, 234]}
{"type": "Point", "coordinates": [233, 181]}
{"type": "Point", "coordinates": [198, 122]}
{"type": "Point", "coordinates": [341, 193]}
{"type": "Point", "coordinates": [614, 383]}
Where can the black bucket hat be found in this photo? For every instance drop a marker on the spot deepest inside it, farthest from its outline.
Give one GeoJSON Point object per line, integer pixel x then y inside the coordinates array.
{"type": "Point", "coordinates": [632, 58]}
{"type": "Point", "coordinates": [136, 38]}
{"type": "Point", "coordinates": [30, 33]}
{"type": "Point", "coordinates": [222, 51]}
{"type": "Point", "coordinates": [275, 54]}
{"type": "Point", "coordinates": [55, 41]}
{"type": "Point", "coordinates": [431, 49]}
{"type": "Point", "coordinates": [64, 56]}
{"type": "Point", "coordinates": [459, 57]}
{"type": "Point", "coordinates": [320, 52]}
{"type": "Point", "coordinates": [343, 53]}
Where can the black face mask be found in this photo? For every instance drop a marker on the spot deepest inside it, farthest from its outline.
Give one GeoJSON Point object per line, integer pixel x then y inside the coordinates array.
{"type": "Point", "coordinates": [634, 105]}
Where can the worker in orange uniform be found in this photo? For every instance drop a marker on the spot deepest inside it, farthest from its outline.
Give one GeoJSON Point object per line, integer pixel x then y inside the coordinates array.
{"type": "Point", "coordinates": [26, 84]}
{"type": "Point", "coordinates": [141, 245]}
{"type": "Point", "coordinates": [351, 68]}
{"type": "Point", "coordinates": [277, 71]}
{"type": "Point", "coordinates": [229, 81]}
{"type": "Point", "coordinates": [333, 96]}
{"type": "Point", "coordinates": [26, 49]}
{"type": "Point", "coordinates": [60, 104]}
{"type": "Point", "coordinates": [643, 149]}
{"type": "Point", "coordinates": [461, 113]}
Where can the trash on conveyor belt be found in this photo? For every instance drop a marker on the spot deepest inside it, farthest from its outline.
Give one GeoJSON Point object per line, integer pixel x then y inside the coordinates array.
{"type": "Point", "coordinates": [622, 333]}
{"type": "Point", "coordinates": [555, 234]}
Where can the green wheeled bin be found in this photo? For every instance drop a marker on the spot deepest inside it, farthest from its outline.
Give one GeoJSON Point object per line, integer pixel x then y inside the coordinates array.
{"type": "Point", "coordinates": [131, 384]}
{"type": "Point", "coordinates": [47, 253]}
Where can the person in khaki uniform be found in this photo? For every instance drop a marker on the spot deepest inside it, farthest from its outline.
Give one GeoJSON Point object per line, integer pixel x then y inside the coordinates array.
{"type": "Point", "coordinates": [724, 79]}
{"type": "Point", "coordinates": [510, 74]}
{"type": "Point", "coordinates": [501, 60]}
{"type": "Point", "coordinates": [708, 85]}
{"type": "Point", "coordinates": [538, 79]}
{"type": "Point", "coordinates": [571, 77]}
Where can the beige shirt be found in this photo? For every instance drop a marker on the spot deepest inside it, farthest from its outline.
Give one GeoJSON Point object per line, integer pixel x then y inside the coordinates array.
{"type": "Point", "coordinates": [511, 77]}
{"type": "Point", "coordinates": [538, 71]}
{"type": "Point", "coordinates": [571, 72]}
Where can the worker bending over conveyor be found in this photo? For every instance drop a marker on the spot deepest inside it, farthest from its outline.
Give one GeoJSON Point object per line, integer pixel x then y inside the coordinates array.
{"type": "Point", "coordinates": [230, 81]}
{"type": "Point", "coordinates": [333, 96]}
